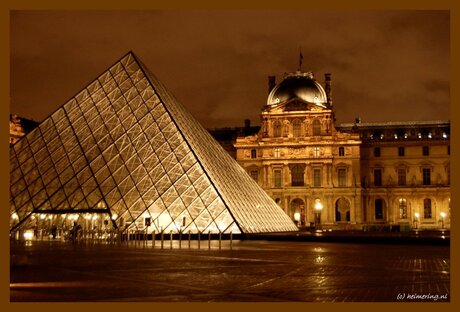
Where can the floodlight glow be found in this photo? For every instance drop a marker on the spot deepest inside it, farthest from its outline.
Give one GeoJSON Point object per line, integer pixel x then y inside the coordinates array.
{"type": "Point", "coordinates": [28, 235]}
{"type": "Point", "coordinates": [318, 205]}
{"type": "Point", "coordinates": [297, 216]}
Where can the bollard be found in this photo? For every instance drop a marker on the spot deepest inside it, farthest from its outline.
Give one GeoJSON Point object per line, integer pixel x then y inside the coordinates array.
{"type": "Point", "coordinates": [153, 239]}
{"type": "Point", "coordinates": [199, 233]}
{"type": "Point", "coordinates": [162, 239]}
{"type": "Point", "coordinates": [231, 236]}
{"type": "Point", "coordinates": [220, 239]}
{"type": "Point", "coordinates": [180, 239]}
{"type": "Point", "coordinates": [170, 239]}
{"type": "Point", "coordinates": [189, 239]}
{"type": "Point", "coordinates": [209, 240]}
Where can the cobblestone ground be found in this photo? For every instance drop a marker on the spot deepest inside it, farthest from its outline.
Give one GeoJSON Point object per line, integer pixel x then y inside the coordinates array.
{"type": "Point", "coordinates": [254, 271]}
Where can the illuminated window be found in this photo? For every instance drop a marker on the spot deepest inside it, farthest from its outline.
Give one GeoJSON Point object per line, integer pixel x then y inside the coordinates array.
{"type": "Point", "coordinates": [317, 177]}
{"type": "Point", "coordinates": [377, 177]}
{"type": "Point", "coordinates": [401, 176]}
{"type": "Point", "coordinates": [426, 176]}
{"type": "Point", "coordinates": [253, 153]}
{"type": "Point", "coordinates": [277, 152]}
{"type": "Point", "coordinates": [342, 177]}
{"type": "Point", "coordinates": [316, 127]}
{"type": "Point", "coordinates": [277, 177]}
{"type": "Point", "coordinates": [316, 151]}
{"type": "Point", "coordinates": [427, 208]}
{"type": "Point", "coordinates": [341, 151]}
{"type": "Point", "coordinates": [296, 126]}
{"type": "Point", "coordinates": [402, 208]}
{"type": "Point", "coordinates": [277, 128]}
{"type": "Point", "coordinates": [377, 152]}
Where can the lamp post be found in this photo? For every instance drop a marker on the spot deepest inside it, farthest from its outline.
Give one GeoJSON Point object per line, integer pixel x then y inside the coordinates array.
{"type": "Point", "coordinates": [416, 215]}
{"type": "Point", "coordinates": [318, 207]}
{"type": "Point", "coordinates": [443, 215]}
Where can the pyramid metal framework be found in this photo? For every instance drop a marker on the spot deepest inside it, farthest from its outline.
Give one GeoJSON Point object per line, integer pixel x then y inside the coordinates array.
{"type": "Point", "coordinates": [124, 147]}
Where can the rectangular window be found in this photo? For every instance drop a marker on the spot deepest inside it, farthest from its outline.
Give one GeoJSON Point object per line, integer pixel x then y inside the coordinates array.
{"type": "Point", "coordinates": [378, 209]}
{"type": "Point", "coordinates": [254, 174]}
{"type": "Point", "coordinates": [377, 152]}
{"type": "Point", "coordinates": [427, 208]}
{"type": "Point", "coordinates": [426, 176]}
{"type": "Point", "coordinates": [277, 177]}
{"type": "Point", "coordinates": [377, 177]}
{"type": "Point", "coordinates": [316, 177]}
{"type": "Point", "coordinates": [277, 152]}
{"type": "Point", "coordinates": [342, 175]}
{"type": "Point", "coordinates": [402, 176]}
{"type": "Point", "coordinates": [253, 153]}
{"type": "Point", "coordinates": [341, 151]}
{"type": "Point", "coordinates": [297, 174]}
{"type": "Point", "coordinates": [401, 151]}
{"type": "Point", "coordinates": [426, 151]}
{"type": "Point", "coordinates": [316, 151]}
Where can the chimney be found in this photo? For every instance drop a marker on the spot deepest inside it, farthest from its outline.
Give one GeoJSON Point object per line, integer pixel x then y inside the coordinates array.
{"type": "Point", "coordinates": [328, 88]}
{"type": "Point", "coordinates": [247, 123]}
{"type": "Point", "coordinates": [271, 83]}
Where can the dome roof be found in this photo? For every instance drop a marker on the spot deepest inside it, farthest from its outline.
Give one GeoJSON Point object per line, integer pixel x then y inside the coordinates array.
{"type": "Point", "coordinates": [298, 85]}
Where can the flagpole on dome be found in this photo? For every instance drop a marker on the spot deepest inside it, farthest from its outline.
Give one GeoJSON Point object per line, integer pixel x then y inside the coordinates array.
{"type": "Point", "coordinates": [300, 59]}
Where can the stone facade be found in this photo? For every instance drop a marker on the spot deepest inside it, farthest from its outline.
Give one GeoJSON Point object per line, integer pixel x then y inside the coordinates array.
{"type": "Point", "coordinates": [19, 127]}
{"type": "Point", "coordinates": [371, 176]}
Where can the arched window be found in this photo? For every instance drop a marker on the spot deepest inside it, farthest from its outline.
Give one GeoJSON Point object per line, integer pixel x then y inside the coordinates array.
{"type": "Point", "coordinates": [402, 208]}
{"type": "Point", "coordinates": [427, 208]}
{"type": "Point", "coordinates": [342, 210]}
{"type": "Point", "coordinates": [296, 128]}
{"type": "Point", "coordinates": [378, 209]}
{"type": "Point", "coordinates": [316, 127]}
{"type": "Point", "coordinates": [277, 128]}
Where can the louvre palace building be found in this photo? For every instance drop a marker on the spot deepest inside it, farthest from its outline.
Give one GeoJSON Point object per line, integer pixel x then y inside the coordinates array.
{"type": "Point", "coordinates": [370, 176]}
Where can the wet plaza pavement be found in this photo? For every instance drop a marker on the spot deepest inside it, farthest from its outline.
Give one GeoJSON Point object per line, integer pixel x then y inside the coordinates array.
{"type": "Point", "coordinates": [251, 271]}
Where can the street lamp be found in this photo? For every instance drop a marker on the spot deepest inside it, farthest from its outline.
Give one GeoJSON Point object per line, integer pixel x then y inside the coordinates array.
{"type": "Point", "coordinates": [318, 207]}
{"type": "Point", "coordinates": [443, 215]}
{"type": "Point", "coordinates": [416, 215]}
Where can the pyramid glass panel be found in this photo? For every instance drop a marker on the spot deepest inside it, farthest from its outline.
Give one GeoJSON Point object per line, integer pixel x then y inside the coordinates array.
{"type": "Point", "coordinates": [125, 145]}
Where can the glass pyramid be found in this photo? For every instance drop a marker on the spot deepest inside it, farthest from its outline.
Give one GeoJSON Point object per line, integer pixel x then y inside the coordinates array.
{"type": "Point", "coordinates": [125, 149]}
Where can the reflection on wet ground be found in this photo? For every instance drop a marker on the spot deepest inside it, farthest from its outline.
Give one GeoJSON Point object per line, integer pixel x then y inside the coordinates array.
{"type": "Point", "coordinates": [255, 271]}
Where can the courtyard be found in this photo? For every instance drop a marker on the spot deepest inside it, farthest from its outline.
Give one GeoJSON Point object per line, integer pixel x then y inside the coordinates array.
{"type": "Point", "coordinates": [245, 271]}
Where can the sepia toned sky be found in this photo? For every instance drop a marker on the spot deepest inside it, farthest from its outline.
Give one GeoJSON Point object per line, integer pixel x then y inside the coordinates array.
{"type": "Point", "coordinates": [385, 65]}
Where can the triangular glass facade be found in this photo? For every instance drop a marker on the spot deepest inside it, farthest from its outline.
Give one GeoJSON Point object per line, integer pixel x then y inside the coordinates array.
{"type": "Point", "coordinates": [125, 148]}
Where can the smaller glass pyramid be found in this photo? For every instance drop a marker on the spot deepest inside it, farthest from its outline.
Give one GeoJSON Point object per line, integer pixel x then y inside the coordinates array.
{"type": "Point", "coordinates": [125, 153]}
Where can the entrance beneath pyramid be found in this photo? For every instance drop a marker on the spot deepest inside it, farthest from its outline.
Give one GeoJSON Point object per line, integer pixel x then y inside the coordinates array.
{"type": "Point", "coordinates": [65, 226]}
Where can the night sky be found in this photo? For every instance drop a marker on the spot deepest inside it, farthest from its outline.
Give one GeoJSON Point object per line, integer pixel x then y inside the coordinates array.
{"type": "Point", "coordinates": [385, 65]}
